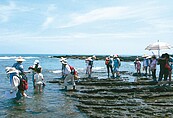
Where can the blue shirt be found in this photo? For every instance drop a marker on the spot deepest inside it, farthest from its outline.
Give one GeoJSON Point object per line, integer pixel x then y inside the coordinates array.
{"type": "Point", "coordinates": [19, 67]}
{"type": "Point", "coordinates": [116, 62]}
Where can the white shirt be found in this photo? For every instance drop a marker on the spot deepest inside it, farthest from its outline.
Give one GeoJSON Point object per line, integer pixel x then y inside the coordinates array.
{"type": "Point", "coordinates": [66, 70]}
{"type": "Point", "coordinates": [38, 77]}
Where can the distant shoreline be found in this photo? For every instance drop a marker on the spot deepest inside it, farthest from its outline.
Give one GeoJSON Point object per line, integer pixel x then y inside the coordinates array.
{"type": "Point", "coordinates": [98, 57]}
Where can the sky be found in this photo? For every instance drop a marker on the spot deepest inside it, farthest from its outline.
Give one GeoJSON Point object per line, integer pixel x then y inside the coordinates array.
{"type": "Point", "coordinates": [96, 27]}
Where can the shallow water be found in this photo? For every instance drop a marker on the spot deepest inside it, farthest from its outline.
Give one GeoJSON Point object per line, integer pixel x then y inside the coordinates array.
{"type": "Point", "coordinates": [52, 102]}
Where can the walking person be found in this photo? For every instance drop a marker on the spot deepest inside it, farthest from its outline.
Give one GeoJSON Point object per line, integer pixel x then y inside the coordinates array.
{"type": "Point", "coordinates": [23, 78]}
{"type": "Point", "coordinates": [13, 75]}
{"type": "Point", "coordinates": [116, 65]}
{"type": "Point", "coordinates": [108, 63]}
{"type": "Point", "coordinates": [153, 67]}
{"type": "Point", "coordinates": [68, 74]}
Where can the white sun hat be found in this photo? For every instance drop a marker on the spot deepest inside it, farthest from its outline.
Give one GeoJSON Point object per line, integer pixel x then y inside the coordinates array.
{"type": "Point", "coordinates": [12, 70]}
{"type": "Point", "coordinates": [20, 59]}
{"type": "Point", "coordinates": [62, 59]}
{"type": "Point", "coordinates": [36, 62]}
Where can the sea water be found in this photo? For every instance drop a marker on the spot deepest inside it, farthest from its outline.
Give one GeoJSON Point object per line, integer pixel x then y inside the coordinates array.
{"type": "Point", "coordinates": [52, 102]}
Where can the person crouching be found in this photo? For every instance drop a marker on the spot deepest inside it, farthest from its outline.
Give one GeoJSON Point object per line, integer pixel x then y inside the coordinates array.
{"type": "Point", "coordinates": [68, 74]}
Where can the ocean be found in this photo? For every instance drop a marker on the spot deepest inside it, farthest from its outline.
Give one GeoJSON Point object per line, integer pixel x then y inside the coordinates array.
{"type": "Point", "coordinates": [52, 102]}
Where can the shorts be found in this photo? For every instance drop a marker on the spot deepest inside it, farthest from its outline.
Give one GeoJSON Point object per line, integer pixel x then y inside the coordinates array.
{"type": "Point", "coordinates": [116, 69]}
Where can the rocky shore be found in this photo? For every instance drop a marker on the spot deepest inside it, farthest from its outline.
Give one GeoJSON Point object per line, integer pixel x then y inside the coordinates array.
{"type": "Point", "coordinates": [98, 57]}
{"type": "Point", "coordinates": [118, 98]}
{"type": "Point", "coordinates": [115, 98]}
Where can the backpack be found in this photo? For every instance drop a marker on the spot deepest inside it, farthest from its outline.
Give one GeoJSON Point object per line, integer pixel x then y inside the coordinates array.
{"type": "Point", "coordinates": [107, 62]}
{"type": "Point", "coordinates": [74, 72]}
{"type": "Point", "coordinates": [23, 84]}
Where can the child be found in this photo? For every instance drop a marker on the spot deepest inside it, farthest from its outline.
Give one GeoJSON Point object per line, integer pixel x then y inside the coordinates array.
{"type": "Point", "coordinates": [138, 66]}
{"type": "Point", "coordinates": [38, 80]}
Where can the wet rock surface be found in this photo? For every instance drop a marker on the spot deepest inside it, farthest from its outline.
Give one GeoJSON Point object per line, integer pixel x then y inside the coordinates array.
{"type": "Point", "coordinates": [117, 98]}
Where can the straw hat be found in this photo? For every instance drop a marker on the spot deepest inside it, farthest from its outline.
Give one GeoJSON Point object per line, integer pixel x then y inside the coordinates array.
{"type": "Point", "coordinates": [94, 57]}
{"type": "Point", "coordinates": [12, 70]}
{"type": "Point", "coordinates": [144, 56]}
{"type": "Point", "coordinates": [36, 62]}
{"type": "Point", "coordinates": [20, 59]}
{"type": "Point", "coordinates": [115, 55]}
{"type": "Point", "coordinates": [62, 59]}
{"type": "Point", "coordinates": [89, 58]}
{"type": "Point", "coordinates": [149, 57]}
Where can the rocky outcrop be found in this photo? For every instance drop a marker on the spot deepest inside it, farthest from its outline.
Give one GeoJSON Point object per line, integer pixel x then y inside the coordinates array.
{"type": "Point", "coordinates": [117, 98]}
{"type": "Point", "coordinates": [98, 57]}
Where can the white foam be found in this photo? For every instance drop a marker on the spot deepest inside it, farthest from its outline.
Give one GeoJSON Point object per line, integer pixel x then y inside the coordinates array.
{"type": "Point", "coordinates": [14, 57]}
{"type": "Point", "coordinates": [57, 71]}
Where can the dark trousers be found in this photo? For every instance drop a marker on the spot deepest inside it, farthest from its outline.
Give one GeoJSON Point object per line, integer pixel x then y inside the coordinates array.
{"type": "Point", "coordinates": [165, 73]}
{"type": "Point", "coordinates": [154, 74]}
{"type": "Point", "coordinates": [109, 67]}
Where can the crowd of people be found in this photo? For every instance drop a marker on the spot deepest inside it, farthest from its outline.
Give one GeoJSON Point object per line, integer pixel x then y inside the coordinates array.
{"type": "Point", "coordinates": [19, 81]}
{"type": "Point", "coordinates": [149, 66]}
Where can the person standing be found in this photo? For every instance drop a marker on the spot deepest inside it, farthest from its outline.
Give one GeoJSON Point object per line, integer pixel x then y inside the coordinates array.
{"type": "Point", "coordinates": [38, 80]}
{"type": "Point", "coordinates": [167, 67]}
{"type": "Point", "coordinates": [62, 68]}
{"type": "Point", "coordinates": [153, 67]}
{"type": "Point", "coordinates": [18, 65]}
{"type": "Point", "coordinates": [138, 66]}
{"type": "Point", "coordinates": [108, 63]}
{"type": "Point", "coordinates": [34, 69]}
{"type": "Point", "coordinates": [145, 64]}
{"type": "Point", "coordinates": [90, 66]}
{"type": "Point", "coordinates": [68, 74]}
{"type": "Point", "coordinates": [116, 65]}
{"type": "Point", "coordinates": [164, 67]}
{"type": "Point", "coordinates": [171, 66]}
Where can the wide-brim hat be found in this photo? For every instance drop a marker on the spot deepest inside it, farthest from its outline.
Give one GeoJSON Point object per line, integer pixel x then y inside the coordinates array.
{"type": "Point", "coordinates": [12, 70]}
{"type": "Point", "coordinates": [62, 59]}
{"type": "Point", "coordinates": [149, 57]}
{"type": "Point", "coordinates": [115, 55]}
{"type": "Point", "coordinates": [94, 57]}
{"type": "Point", "coordinates": [89, 58]}
{"type": "Point", "coordinates": [36, 62]}
{"type": "Point", "coordinates": [20, 59]}
{"type": "Point", "coordinates": [144, 56]}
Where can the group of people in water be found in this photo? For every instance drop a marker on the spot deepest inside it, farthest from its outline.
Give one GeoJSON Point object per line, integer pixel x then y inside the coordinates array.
{"type": "Point", "coordinates": [19, 81]}
{"type": "Point", "coordinates": [149, 66]}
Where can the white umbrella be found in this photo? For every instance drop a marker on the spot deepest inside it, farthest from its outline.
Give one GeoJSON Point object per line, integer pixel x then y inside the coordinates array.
{"type": "Point", "coordinates": [158, 46]}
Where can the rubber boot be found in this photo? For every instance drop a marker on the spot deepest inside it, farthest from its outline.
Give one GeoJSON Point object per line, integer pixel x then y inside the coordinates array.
{"type": "Point", "coordinates": [74, 88]}
{"type": "Point", "coordinates": [65, 87]}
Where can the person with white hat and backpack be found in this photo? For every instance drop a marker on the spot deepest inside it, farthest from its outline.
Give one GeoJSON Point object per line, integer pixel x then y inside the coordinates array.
{"type": "Point", "coordinates": [68, 74]}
